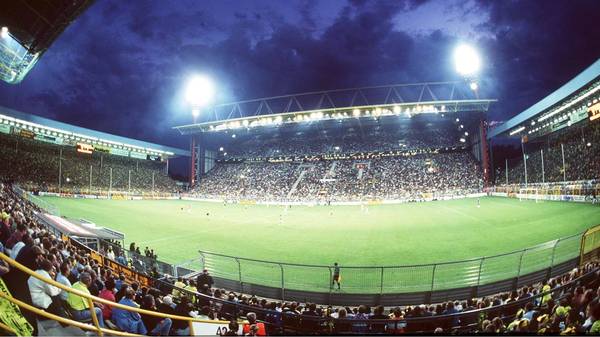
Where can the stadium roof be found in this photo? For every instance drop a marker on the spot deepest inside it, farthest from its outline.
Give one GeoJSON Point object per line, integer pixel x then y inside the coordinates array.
{"type": "Point", "coordinates": [564, 107]}
{"type": "Point", "coordinates": [31, 27]}
{"type": "Point", "coordinates": [401, 100]}
{"type": "Point", "coordinates": [25, 120]}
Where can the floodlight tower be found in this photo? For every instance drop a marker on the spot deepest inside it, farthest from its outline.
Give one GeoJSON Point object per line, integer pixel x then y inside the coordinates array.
{"type": "Point", "coordinates": [199, 94]}
{"type": "Point", "coordinates": [468, 64]}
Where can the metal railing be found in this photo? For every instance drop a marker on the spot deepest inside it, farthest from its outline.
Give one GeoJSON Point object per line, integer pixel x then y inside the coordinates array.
{"type": "Point", "coordinates": [90, 301]}
{"type": "Point", "coordinates": [393, 279]}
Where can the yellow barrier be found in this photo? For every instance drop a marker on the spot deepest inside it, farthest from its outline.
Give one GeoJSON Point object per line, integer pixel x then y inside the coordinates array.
{"type": "Point", "coordinates": [6, 327]}
{"type": "Point", "coordinates": [91, 299]}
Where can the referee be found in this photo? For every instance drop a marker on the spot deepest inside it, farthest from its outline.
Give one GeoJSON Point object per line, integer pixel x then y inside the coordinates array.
{"type": "Point", "coordinates": [336, 275]}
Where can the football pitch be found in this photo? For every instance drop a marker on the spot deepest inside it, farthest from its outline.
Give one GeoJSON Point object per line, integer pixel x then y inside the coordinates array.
{"type": "Point", "coordinates": [383, 235]}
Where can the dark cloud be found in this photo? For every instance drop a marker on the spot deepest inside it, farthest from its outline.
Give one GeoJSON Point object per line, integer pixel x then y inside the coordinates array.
{"type": "Point", "coordinates": [536, 47]}
{"type": "Point", "coordinates": [120, 67]}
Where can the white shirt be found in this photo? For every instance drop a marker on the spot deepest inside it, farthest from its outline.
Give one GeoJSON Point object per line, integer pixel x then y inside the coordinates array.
{"type": "Point", "coordinates": [41, 292]}
{"type": "Point", "coordinates": [16, 249]}
{"type": "Point", "coordinates": [62, 279]}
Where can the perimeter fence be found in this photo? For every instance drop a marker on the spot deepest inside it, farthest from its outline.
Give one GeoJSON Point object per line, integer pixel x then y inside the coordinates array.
{"type": "Point", "coordinates": [393, 279]}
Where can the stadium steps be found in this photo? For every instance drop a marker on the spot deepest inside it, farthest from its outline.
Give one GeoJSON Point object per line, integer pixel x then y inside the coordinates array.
{"type": "Point", "coordinates": [295, 185]}
{"type": "Point", "coordinates": [53, 328]}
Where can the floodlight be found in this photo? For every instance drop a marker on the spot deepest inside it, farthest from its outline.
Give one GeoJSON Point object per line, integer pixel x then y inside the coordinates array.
{"type": "Point", "coordinates": [466, 60]}
{"type": "Point", "coordinates": [474, 86]}
{"type": "Point", "coordinates": [221, 149]}
{"type": "Point", "coordinates": [200, 91]}
{"type": "Point", "coordinates": [4, 32]}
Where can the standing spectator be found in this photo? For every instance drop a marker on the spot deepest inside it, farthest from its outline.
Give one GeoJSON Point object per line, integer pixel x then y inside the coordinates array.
{"type": "Point", "coordinates": [204, 279]}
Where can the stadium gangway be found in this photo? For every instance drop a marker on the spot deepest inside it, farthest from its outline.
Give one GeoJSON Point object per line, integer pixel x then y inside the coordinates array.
{"type": "Point", "coordinates": [95, 327]}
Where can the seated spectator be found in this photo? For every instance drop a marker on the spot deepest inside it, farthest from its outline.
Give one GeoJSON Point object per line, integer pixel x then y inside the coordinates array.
{"type": "Point", "coordinates": [156, 325]}
{"type": "Point", "coordinates": [78, 305]}
{"type": "Point", "coordinates": [62, 279]}
{"type": "Point", "coordinates": [26, 240]}
{"type": "Point", "coordinates": [592, 323]}
{"type": "Point", "coordinates": [128, 321]}
{"type": "Point", "coordinates": [182, 328]}
{"type": "Point", "coordinates": [43, 294]}
{"type": "Point", "coordinates": [108, 293]}
{"type": "Point", "coordinates": [232, 329]}
{"type": "Point", "coordinates": [191, 288]}
{"type": "Point", "coordinates": [119, 282]}
{"type": "Point", "coordinates": [361, 327]}
{"type": "Point", "coordinates": [257, 328]}
{"type": "Point", "coordinates": [378, 314]}
{"type": "Point", "coordinates": [16, 236]}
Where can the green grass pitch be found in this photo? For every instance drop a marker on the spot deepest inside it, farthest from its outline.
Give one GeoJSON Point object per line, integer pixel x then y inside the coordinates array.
{"type": "Point", "coordinates": [385, 235]}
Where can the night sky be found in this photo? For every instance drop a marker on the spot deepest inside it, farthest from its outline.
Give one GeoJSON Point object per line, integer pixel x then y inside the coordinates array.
{"type": "Point", "coordinates": [122, 65]}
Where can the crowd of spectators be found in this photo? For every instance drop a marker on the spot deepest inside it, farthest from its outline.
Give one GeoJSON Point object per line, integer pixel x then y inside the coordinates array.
{"type": "Point", "coordinates": [568, 304]}
{"type": "Point", "coordinates": [581, 159]}
{"type": "Point", "coordinates": [392, 137]}
{"type": "Point", "coordinates": [411, 177]}
{"type": "Point", "coordinates": [35, 164]}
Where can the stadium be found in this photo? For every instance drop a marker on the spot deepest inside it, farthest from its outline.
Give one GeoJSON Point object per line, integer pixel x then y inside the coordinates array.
{"type": "Point", "coordinates": [373, 210]}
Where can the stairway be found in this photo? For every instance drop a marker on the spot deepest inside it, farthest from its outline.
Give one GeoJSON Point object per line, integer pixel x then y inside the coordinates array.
{"type": "Point", "coordinates": [295, 185]}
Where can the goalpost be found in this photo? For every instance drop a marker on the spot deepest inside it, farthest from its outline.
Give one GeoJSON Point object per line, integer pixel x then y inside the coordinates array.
{"type": "Point", "coordinates": [590, 245]}
{"type": "Point", "coordinates": [530, 193]}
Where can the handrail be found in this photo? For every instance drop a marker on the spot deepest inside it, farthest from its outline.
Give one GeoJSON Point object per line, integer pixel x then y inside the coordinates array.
{"type": "Point", "coordinates": [101, 300]}
{"type": "Point", "coordinates": [60, 319]}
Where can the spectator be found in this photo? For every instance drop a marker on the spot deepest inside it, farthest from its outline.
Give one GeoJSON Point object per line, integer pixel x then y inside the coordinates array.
{"type": "Point", "coordinates": [78, 305]}
{"type": "Point", "coordinates": [108, 293]}
{"type": "Point", "coordinates": [204, 279]}
{"type": "Point", "coordinates": [128, 321]}
{"type": "Point", "coordinates": [254, 327]}
{"type": "Point", "coordinates": [156, 325]}
{"type": "Point", "coordinates": [43, 294]}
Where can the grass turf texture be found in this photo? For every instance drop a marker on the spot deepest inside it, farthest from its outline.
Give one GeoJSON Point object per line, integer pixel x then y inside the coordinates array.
{"type": "Point", "coordinates": [386, 235]}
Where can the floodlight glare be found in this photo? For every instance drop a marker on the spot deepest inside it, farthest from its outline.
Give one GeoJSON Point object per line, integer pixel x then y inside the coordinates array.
{"type": "Point", "coordinates": [466, 60]}
{"type": "Point", "coordinates": [474, 86]}
{"type": "Point", "coordinates": [4, 32]}
{"type": "Point", "coordinates": [200, 91]}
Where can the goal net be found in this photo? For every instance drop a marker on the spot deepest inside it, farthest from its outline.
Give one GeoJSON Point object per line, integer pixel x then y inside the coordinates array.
{"type": "Point", "coordinates": [530, 193]}
{"type": "Point", "coordinates": [590, 245]}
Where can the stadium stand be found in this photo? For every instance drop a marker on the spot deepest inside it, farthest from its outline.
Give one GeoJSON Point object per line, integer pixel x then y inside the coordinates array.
{"type": "Point", "coordinates": [405, 177]}
{"type": "Point", "coordinates": [567, 304]}
{"type": "Point", "coordinates": [581, 149]}
{"type": "Point", "coordinates": [35, 164]}
{"type": "Point", "coordinates": [387, 161]}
